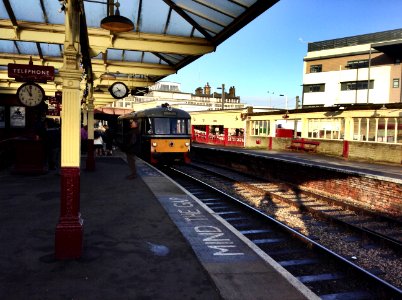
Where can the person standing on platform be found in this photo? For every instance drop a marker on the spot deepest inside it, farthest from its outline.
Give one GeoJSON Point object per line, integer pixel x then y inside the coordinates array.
{"type": "Point", "coordinates": [84, 138]}
{"type": "Point", "coordinates": [132, 147]}
{"type": "Point", "coordinates": [53, 143]}
{"type": "Point", "coordinates": [98, 142]}
{"type": "Point", "coordinates": [108, 139]}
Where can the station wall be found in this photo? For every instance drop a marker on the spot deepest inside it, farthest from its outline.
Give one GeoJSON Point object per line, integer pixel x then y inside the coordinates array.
{"type": "Point", "coordinates": [368, 192]}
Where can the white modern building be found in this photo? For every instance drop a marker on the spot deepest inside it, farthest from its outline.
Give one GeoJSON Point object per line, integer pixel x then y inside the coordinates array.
{"type": "Point", "coordinates": [362, 69]}
{"type": "Point", "coordinates": [169, 92]}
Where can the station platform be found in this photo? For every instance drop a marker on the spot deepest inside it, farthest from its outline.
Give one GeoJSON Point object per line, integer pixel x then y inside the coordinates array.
{"type": "Point", "coordinates": [384, 171]}
{"type": "Point", "coordinates": [143, 239]}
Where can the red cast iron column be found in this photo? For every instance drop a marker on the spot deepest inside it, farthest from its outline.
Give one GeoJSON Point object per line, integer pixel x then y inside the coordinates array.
{"type": "Point", "coordinates": [69, 230]}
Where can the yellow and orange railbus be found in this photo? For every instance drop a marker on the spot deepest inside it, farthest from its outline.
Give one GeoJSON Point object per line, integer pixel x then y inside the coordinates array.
{"type": "Point", "coordinates": [165, 134]}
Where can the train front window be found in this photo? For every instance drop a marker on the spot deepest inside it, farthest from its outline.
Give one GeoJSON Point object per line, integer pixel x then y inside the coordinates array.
{"type": "Point", "coordinates": [161, 126]}
{"type": "Point", "coordinates": [179, 126]}
{"type": "Point", "coordinates": [170, 126]}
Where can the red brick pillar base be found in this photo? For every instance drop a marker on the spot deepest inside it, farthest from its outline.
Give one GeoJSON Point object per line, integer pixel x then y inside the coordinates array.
{"type": "Point", "coordinates": [69, 230]}
{"type": "Point", "coordinates": [345, 152]}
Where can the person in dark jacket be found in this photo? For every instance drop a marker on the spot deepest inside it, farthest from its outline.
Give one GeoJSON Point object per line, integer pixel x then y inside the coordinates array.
{"type": "Point", "coordinates": [108, 139]}
{"type": "Point", "coordinates": [132, 147]}
{"type": "Point", "coordinates": [52, 143]}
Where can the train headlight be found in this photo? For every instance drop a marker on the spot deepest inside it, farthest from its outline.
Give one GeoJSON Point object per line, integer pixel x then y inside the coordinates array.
{"type": "Point", "coordinates": [154, 144]}
{"type": "Point", "coordinates": [187, 144]}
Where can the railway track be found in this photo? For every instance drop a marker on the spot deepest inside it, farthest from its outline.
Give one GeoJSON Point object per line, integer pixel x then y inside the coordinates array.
{"type": "Point", "coordinates": [326, 273]}
{"type": "Point", "coordinates": [368, 225]}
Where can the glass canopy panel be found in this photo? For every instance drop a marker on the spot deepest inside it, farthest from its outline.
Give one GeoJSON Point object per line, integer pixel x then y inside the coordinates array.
{"type": "Point", "coordinates": [51, 50]}
{"type": "Point", "coordinates": [156, 14]}
{"type": "Point", "coordinates": [170, 58]}
{"type": "Point", "coordinates": [150, 58]}
{"type": "Point", "coordinates": [3, 12]}
{"type": "Point", "coordinates": [226, 7]}
{"type": "Point", "coordinates": [247, 3]}
{"type": "Point", "coordinates": [7, 46]}
{"type": "Point", "coordinates": [94, 13]}
{"type": "Point", "coordinates": [52, 10]}
{"type": "Point", "coordinates": [207, 25]}
{"type": "Point", "coordinates": [197, 34]}
{"type": "Point", "coordinates": [115, 54]}
{"type": "Point", "coordinates": [204, 11]}
{"type": "Point", "coordinates": [129, 9]}
{"type": "Point", "coordinates": [178, 26]}
{"type": "Point", "coordinates": [28, 48]}
{"type": "Point", "coordinates": [28, 10]}
{"type": "Point", "coordinates": [133, 56]}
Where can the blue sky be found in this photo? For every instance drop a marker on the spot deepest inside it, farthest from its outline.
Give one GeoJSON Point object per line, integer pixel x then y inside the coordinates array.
{"type": "Point", "coordinates": [267, 54]}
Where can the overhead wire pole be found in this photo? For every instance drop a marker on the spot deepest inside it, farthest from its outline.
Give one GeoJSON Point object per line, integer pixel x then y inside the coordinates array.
{"type": "Point", "coordinates": [223, 96]}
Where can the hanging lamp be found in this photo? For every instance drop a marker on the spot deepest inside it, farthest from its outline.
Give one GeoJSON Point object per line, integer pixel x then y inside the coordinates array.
{"type": "Point", "coordinates": [116, 22]}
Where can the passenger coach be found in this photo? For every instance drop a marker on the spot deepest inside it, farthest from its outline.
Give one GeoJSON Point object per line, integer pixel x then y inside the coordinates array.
{"type": "Point", "coordinates": [165, 134]}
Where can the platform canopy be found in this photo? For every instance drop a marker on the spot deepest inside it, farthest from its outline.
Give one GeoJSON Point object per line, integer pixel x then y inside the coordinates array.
{"type": "Point", "coordinates": [167, 35]}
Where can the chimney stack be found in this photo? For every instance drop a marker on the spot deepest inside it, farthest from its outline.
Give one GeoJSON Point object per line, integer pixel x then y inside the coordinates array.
{"type": "Point", "coordinates": [207, 89]}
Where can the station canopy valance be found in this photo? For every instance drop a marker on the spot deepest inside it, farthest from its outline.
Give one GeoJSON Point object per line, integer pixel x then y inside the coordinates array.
{"type": "Point", "coordinates": [166, 36]}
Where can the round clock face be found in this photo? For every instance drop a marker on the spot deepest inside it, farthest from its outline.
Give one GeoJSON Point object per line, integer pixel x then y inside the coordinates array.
{"type": "Point", "coordinates": [30, 94]}
{"type": "Point", "coordinates": [118, 90]}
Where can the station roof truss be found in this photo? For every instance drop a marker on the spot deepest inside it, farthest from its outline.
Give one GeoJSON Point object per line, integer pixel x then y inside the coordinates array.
{"type": "Point", "coordinates": [167, 36]}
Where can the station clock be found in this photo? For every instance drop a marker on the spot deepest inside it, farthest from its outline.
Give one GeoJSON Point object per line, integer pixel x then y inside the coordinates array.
{"type": "Point", "coordinates": [30, 94]}
{"type": "Point", "coordinates": [118, 90]}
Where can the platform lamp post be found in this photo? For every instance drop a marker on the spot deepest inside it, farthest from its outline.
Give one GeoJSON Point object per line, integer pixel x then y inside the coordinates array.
{"type": "Point", "coordinates": [223, 95]}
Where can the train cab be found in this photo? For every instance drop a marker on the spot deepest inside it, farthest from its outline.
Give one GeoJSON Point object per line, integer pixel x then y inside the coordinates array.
{"type": "Point", "coordinates": [165, 134]}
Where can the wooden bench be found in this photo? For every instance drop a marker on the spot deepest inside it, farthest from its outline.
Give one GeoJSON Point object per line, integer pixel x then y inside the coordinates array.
{"type": "Point", "coordinates": [303, 145]}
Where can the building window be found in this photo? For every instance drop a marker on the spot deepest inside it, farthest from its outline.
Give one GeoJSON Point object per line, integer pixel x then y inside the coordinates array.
{"type": "Point", "coordinates": [356, 85]}
{"type": "Point", "coordinates": [260, 128]}
{"type": "Point", "coordinates": [386, 130]}
{"type": "Point", "coordinates": [315, 68]}
{"type": "Point", "coordinates": [314, 88]}
{"type": "Point", "coordinates": [357, 64]}
{"type": "Point", "coordinates": [395, 83]}
{"type": "Point", "coordinates": [332, 129]}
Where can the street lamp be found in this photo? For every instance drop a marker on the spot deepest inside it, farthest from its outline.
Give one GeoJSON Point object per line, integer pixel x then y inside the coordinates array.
{"type": "Point", "coordinates": [286, 115]}
{"type": "Point", "coordinates": [280, 95]}
{"type": "Point", "coordinates": [223, 95]}
{"type": "Point", "coordinates": [286, 100]}
{"type": "Point", "coordinates": [270, 100]}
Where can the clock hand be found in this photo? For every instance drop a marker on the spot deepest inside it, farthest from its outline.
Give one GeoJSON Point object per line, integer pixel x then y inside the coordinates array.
{"type": "Point", "coordinates": [29, 90]}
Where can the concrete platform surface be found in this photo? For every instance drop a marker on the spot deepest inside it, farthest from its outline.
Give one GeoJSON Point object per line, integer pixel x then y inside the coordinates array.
{"type": "Point", "coordinates": [132, 250]}
{"type": "Point", "coordinates": [137, 243]}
